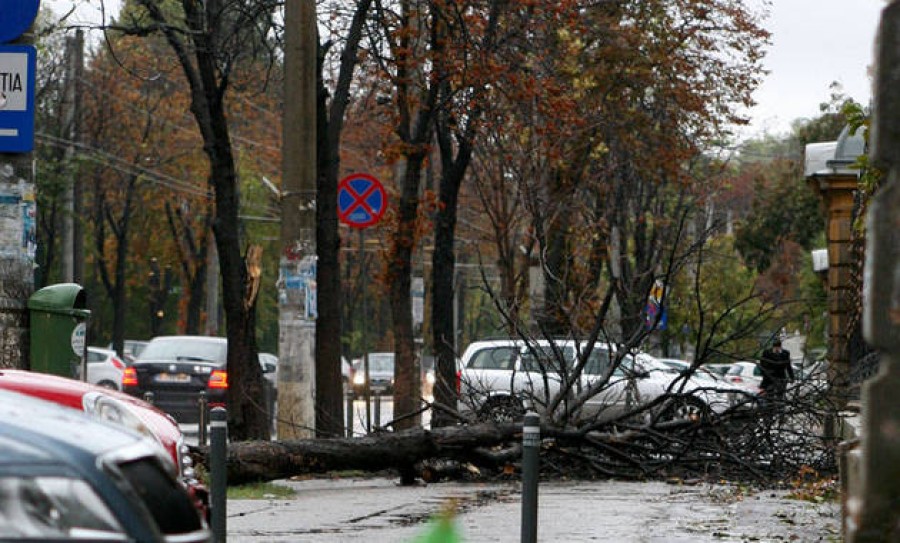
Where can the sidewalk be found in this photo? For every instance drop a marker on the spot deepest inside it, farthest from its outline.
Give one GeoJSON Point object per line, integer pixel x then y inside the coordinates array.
{"type": "Point", "coordinates": [377, 510]}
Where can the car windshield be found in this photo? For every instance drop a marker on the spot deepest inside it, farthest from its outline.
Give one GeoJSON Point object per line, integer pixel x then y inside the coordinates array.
{"type": "Point", "coordinates": [378, 362]}
{"type": "Point", "coordinates": [185, 349]}
{"type": "Point", "coordinates": [50, 507]}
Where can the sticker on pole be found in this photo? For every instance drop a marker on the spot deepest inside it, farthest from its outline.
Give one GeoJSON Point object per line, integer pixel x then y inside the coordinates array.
{"type": "Point", "coordinates": [361, 200]}
{"type": "Point", "coordinates": [78, 335]}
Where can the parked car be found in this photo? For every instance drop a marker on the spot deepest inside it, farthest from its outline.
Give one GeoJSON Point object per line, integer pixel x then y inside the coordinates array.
{"type": "Point", "coordinates": [499, 379]}
{"type": "Point", "coordinates": [176, 369]}
{"type": "Point", "coordinates": [131, 348]}
{"type": "Point", "coordinates": [67, 476]}
{"type": "Point", "coordinates": [745, 373]}
{"type": "Point", "coordinates": [381, 374]}
{"type": "Point", "coordinates": [117, 408]}
{"type": "Point", "coordinates": [737, 392]}
{"type": "Point", "coordinates": [268, 362]}
{"type": "Point", "coordinates": [720, 369]}
{"type": "Point", "coordinates": [104, 368]}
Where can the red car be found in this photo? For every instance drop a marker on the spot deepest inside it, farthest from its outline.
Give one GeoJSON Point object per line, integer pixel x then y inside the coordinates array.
{"type": "Point", "coordinates": [115, 407]}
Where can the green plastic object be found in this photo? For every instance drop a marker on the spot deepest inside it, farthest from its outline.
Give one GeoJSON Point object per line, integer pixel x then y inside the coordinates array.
{"type": "Point", "coordinates": [58, 337]}
{"type": "Point", "coordinates": [441, 529]}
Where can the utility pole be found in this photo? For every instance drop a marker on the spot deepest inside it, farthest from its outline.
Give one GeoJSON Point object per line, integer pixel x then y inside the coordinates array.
{"type": "Point", "coordinates": [73, 242]}
{"type": "Point", "coordinates": [297, 276]}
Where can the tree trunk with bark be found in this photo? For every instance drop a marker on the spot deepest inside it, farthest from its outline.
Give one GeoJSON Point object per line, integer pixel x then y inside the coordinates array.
{"type": "Point", "coordinates": [199, 56]}
{"type": "Point", "coordinates": [330, 123]}
{"type": "Point", "coordinates": [269, 460]}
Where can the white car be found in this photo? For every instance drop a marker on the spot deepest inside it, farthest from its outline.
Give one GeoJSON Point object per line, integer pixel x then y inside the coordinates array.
{"type": "Point", "coordinates": [738, 392]}
{"type": "Point", "coordinates": [104, 368]}
{"type": "Point", "coordinates": [746, 374]}
{"type": "Point", "coordinates": [499, 379]}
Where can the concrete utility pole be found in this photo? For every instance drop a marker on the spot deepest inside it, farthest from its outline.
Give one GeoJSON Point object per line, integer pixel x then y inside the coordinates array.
{"type": "Point", "coordinates": [73, 239]}
{"type": "Point", "coordinates": [297, 278]}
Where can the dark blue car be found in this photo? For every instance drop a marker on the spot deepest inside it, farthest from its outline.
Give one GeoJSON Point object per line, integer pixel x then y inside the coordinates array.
{"type": "Point", "coordinates": [65, 476]}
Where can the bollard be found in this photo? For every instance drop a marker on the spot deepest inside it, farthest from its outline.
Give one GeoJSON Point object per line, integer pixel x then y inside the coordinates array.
{"type": "Point", "coordinates": [350, 414]}
{"type": "Point", "coordinates": [148, 397]}
{"type": "Point", "coordinates": [202, 406]}
{"type": "Point", "coordinates": [531, 447]}
{"type": "Point", "coordinates": [218, 437]}
{"type": "Point", "coordinates": [377, 409]}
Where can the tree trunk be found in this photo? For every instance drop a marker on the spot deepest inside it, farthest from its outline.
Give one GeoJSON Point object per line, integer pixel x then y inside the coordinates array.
{"type": "Point", "coordinates": [199, 60]}
{"type": "Point", "coordinates": [407, 373]}
{"type": "Point", "coordinates": [329, 125]}
{"type": "Point", "coordinates": [268, 460]}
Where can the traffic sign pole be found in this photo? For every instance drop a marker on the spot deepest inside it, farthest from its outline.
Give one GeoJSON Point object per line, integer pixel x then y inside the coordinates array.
{"type": "Point", "coordinates": [362, 202]}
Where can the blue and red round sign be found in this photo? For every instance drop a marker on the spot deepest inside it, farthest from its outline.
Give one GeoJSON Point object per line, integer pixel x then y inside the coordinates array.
{"type": "Point", "coordinates": [362, 200]}
{"type": "Point", "coordinates": [16, 17]}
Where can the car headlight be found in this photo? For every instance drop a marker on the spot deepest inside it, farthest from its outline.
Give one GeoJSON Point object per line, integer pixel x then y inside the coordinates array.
{"type": "Point", "coordinates": [359, 378]}
{"type": "Point", "coordinates": [112, 410]}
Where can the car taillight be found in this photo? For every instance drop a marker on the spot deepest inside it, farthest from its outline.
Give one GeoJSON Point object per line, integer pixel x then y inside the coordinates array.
{"type": "Point", "coordinates": [117, 363]}
{"type": "Point", "coordinates": [737, 380]}
{"type": "Point", "coordinates": [129, 377]}
{"type": "Point", "coordinates": [458, 381]}
{"type": "Point", "coordinates": [218, 379]}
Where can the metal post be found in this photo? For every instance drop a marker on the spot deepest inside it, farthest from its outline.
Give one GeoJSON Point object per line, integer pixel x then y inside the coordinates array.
{"type": "Point", "coordinates": [377, 400]}
{"type": "Point", "coordinates": [218, 476]}
{"type": "Point", "coordinates": [148, 397]}
{"type": "Point", "coordinates": [363, 327]}
{"type": "Point", "coordinates": [531, 446]}
{"type": "Point", "coordinates": [350, 414]}
{"type": "Point", "coordinates": [202, 407]}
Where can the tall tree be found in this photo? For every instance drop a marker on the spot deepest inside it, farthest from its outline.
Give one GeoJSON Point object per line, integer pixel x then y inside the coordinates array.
{"type": "Point", "coordinates": [402, 48]}
{"type": "Point", "coordinates": [329, 391]}
{"type": "Point", "coordinates": [465, 71]}
{"type": "Point", "coordinates": [210, 41]}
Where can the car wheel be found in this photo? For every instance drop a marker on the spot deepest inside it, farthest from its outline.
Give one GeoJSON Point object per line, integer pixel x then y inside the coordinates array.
{"type": "Point", "coordinates": [685, 407]}
{"type": "Point", "coordinates": [502, 409]}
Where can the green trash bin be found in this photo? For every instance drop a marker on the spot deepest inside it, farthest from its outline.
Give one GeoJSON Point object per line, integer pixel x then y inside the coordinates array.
{"type": "Point", "coordinates": [58, 329]}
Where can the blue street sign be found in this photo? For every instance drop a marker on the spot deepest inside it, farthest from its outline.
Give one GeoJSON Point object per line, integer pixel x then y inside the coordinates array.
{"type": "Point", "coordinates": [17, 69]}
{"type": "Point", "coordinates": [15, 17]}
{"type": "Point", "coordinates": [361, 200]}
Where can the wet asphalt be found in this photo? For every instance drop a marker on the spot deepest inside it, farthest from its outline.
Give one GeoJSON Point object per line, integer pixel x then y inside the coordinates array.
{"type": "Point", "coordinates": [378, 510]}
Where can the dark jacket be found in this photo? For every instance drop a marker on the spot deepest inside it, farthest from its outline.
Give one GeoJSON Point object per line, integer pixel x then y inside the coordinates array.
{"type": "Point", "coordinates": [776, 368]}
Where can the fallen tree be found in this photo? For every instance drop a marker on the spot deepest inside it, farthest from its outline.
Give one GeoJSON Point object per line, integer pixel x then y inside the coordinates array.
{"type": "Point", "coordinates": [268, 460]}
{"type": "Point", "coordinates": [763, 445]}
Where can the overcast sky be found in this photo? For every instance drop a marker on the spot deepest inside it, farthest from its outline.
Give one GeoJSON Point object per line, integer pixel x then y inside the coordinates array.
{"type": "Point", "coordinates": [814, 42]}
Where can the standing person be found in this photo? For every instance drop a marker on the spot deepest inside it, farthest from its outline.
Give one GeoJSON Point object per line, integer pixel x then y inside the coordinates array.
{"type": "Point", "coordinates": [775, 364]}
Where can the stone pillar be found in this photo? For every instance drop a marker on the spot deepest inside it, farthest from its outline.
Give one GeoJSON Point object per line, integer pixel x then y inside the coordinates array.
{"type": "Point", "coordinates": [836, 189]}
{"type": "Point", "coordinates": [873, 507]}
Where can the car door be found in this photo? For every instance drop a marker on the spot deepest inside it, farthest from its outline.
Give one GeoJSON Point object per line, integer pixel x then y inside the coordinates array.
{"type": "Point", "coordinates": [616, 393]}
{"type": "Point", "coordinates": [542, 368]}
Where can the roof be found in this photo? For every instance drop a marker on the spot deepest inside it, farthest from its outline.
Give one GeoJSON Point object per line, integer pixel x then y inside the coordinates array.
{"type": "Point", "coordinates": [835, 157]}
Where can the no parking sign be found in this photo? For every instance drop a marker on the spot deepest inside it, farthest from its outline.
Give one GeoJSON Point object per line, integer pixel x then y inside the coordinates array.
{"type": "Point", "coordinates": [361, 200]}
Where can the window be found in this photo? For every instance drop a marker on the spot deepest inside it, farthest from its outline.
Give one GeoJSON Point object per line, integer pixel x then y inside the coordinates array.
{"type": "Point", "coordinates": [542, 358]}
{"type": "Point", "coordinates": [494, 358]}
{"type": "Point", "coordinates": [598, 362]}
